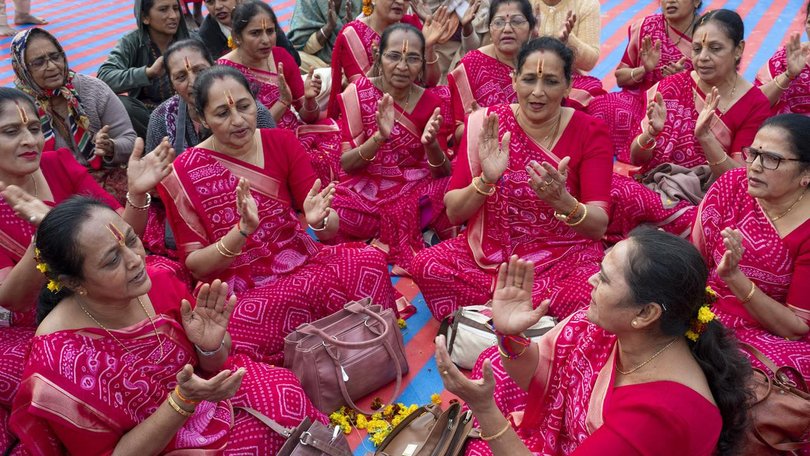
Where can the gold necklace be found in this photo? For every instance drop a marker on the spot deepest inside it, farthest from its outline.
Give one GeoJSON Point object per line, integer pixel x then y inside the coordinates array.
{"type": "Point", "coordinates": [648, 360]}
{"type": "Point", "coordinates": [681, 34]}
{"type": "Point", "coordinates": [154, 328]}
{"type": "Point", "coordinates": [407, 100]}
{"type": "Point", "coordinates": [553, 135]}
{"type": "Point", "coordinates": [255, 149]}
{"type": "Point", "coordinates": [773, 219]}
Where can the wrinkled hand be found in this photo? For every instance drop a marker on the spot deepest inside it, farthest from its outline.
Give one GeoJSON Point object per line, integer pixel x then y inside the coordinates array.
{"type": "Point", "coordinates": [656, 115]}
{"type": "Point", "coordinates": [246, 207]}
{"type": "Point", "coordinates": [104, 144]}
{"type": "Point", "coordinates": [548, 183]}
{"type": "Point", "coordinates": [284, 93]}
{"type": "Point", "coordinates": [729, 265]}
{"type": "Point", "coordinates": [24, 205]}
{"type": "Point", "coordinates": [318, 202]}
{"type": "Point", "coordinates": [312, 85]}
{"type": "Point", "coordinates": [217, 388]}
{"type": "Point", "coordinates": [568, 26]}
{"type": "Point", "coordinates": [385, 116]}
{"type": "Point", "coordinates": [469, 15]}
{"type": "Point", "coordinates": [144, 173]}
{"type": "Point", "coordinates": [650, 53]}
{"type": "Point", "coordinates": [703, 125]}
{"type": "Point", "coordinates": [798, 55]}
{"type": "Point", "coordinates": [435, 26]}
{"type": "Point", "coordinates": [432, 127]}
{"type": "Point", "coordinates": [494, 157]}
{"type": "Point", "coordinates": [473, 107]}
{"type": "Point", "coordinates": [421, 9]}
{"type": "Point", "coordinates": [156, 70]}
{"type": "Point", "coordinates": [207, 323]}
{"type": "Point", "coordinates": [512, 309]}
{"type": "Point", "coordinates": [349, 14]}
{"type": "Point", "coordinates": [332, 15]}
{"type": "Point", "coordinates": [477, 394]}
{"type": "Point", "coordinates": [674, 67]}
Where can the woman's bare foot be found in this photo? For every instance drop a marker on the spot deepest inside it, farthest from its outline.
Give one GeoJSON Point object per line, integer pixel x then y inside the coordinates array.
{"type": "Point", "coordinates": [28, 19]}
{"type": "Point", "coordinates": [5, 30]}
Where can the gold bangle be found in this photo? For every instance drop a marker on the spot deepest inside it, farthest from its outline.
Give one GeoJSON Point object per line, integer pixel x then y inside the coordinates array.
{"type": "Point", "coordinates": [719, 162]}
{"type": "Point", "coordinates": [581, 219]}
{"type": "Point", "coordinates": [569, 215]}
{"type": "Point", "coordinates": [482, 192]}
{"type": "Point", "coordinates": [140, 208]}
{"type": "Point", "coordinates": [500, 433]}
{"type": "Point", "coordinates": [632, 74]}
{"type": "Point", "coordinates": [506, 355]}
{"type": "Point", "coordinates": [360, 153]}
{"type": "Point", "coordinates": [220, 246]}
{"type": "Point", "coordinates": [750, 293]}
{"type": "Point", "coordinates": [184, 399]}
{"type": "Point", "coordinates": [444, 160]}
{"type": "Point", "coordinates": [179, 409]}
{"type": "Point", "coordinates": [648, 146]}
{"type": "Point", "coordinates": [776, 81]}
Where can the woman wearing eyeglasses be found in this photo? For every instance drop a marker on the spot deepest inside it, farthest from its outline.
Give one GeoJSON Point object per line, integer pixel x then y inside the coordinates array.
{"type": "Point", "coordinates": [753, 230]}
{"type": "Point", "coordinates": [394, 160]}
{"type": "Point", "coordinates": [78, 112]}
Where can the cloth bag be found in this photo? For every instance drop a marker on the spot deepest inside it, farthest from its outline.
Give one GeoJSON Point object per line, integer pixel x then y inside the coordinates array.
{"type": "Point", "coordinates": [308, 438]}
{"type": "Point", "coordinates": [470, 334]}
{"type": "Point", "coordinates": [429, 431]}
{"type": "Point", "coordinates": [347, 355]}
{"type": "Point", "coordinates": [780, 414]}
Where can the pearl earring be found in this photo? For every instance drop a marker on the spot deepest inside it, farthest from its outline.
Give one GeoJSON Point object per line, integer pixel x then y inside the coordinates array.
{"type": "Point", "coordinates": [634, 323]}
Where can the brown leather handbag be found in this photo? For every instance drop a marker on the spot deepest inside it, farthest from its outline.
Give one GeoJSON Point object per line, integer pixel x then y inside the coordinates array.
{"type": "Point", "coordinates": [780, 414]}
{"type": "Point", "coordinates": [429, 431]}
{"type": "Point", "coordinates": [347, 355]}
{"type": "Point", "coordinates": [306, 439]}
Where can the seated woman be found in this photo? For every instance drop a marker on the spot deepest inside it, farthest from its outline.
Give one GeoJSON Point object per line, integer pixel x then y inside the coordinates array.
{"type": "Point", "coordinates": [577, 23]}
{"type": "Point", "coordinates": [354, 52]}
{"type": "Point", "coordinates": [247, 233]}
{"type": "Point", "coordinates": [135, 65]}
{"type": "Point", "coordinates": [166, 382]}
{"type": "Point", "coordinates": [394, 161]}
{"type": "Point", "coordinates": [277, 83]}
{"type": "Point", "coordinates": [646, 369]}
{"type": "Point", "coordinates": [658, 46]}
{"type": "Point", "coordinates": [78, 112]}
{"type": "Point", "coordinates": [483, 77]}
{"type": "Point", "coordinates": [29, 178]}
{"type": "Point", "coordinates": [216, 29]}
{"type": "Point", "coordinates": [697, 121]}
{"type": "Point", "coordinates": [532, 179]}
{"type": "Point", "coordinates": [785, 79]}
{"type": "Point", "coordinates": [753, 231]}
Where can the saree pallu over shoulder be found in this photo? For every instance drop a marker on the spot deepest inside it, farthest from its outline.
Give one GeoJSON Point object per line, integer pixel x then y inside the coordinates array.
{"type": "Point", "coordinates": [264, 85]}
{"type": "Point", "coordinates": [655, 27]}
{"type": "Point", "coordinates": [480, 78]}
{"type": "Point", "coordinates": [351, 58]}
{"type": "Point", "coordinates": [796, 99]}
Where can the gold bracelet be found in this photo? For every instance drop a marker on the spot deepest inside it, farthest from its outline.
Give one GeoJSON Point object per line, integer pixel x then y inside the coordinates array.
{"type": "Point", "coordinates": [648, 146]}
{"type": "Point", "coordinates": [481, 192]}
{"type": "Point", "coordinates": [220, 246]}
{"type": "Point", "coordinates": [776, 81]}
{"type": "Point", "coordinates": [360, 153]}
{"type": "Point", "coordinates": [719, 162]}
{"type": "Point", "coordinates": [502, 432]}
{"type": "Point", "coordinates": [569, 215]}
{"type": "Point", "coordinates": [444, 160]}
{"type": "Point", "coordinates": [507, 355]}
{"type": "Point", "coordinates": [632, 73]}
{"type": "Point", "coordinates": [184, 399]}
{"type": "Point", "coordinates": [581, 219]}
{"type": "Point", "coordinates": [140, 208]}
{"type": "Point", "coordinates": [431, 62]}
{"type": "Point", "coordinates": [179, 409]}
{"type": "Point", "coordinates": [750, 293]}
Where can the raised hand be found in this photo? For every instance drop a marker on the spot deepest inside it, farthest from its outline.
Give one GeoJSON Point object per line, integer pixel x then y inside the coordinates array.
{"type": "Point", "coordinates": [704, 120]}
{"type": "Point", "coordinates": [385, 116]}
{"type": "Point", "coordinates": [246, 207]}
{"type": "Point", "coordinates": [421, 9]}
{"type": "Point", "coordinates": [156, 70]}
{"type": "Point", "coordinates": [512, 309]}
{"type": "Point", "coordinates": [547, 182]}
{"type": "Point", "coordinates": [473, 107]}
{"type": "Point", "coordinates": [494, 156]}
{"type": "Point", "coordinates": [318, 202]}
{"type": "Point", "coordinates": [729, 265]}
{"type": "Point", "coordinates": [656, 115]}
{"type": "Point", "coordinates": [432, 127]}
{"type": "Point", "coordinates": [469, 15]}
{"type": "Point", "coordinates": [144, 173]}
{"type": "Point", "coordinates": [477, 394]}
{"type": "Point", "coordinates": [650, 53]}
{"type": "Point", "coordinates": [312, 85]}
{"type": "Point", "coordinates": [568, 26]}
{"type": "Point", "coordinates": [284, 93]}
{"type": "Point", "coordinates": [798, 56]}
{"type": "Point", "coordinates": [104, 144]}
{"type": "Point", "coordinates": [25, 205]}
{"type": "Point", "coordinates": [674, 67]}
{"type": "Point", "coordinates": [349, 14]}
{"type": "Point", "coordinates": [537, 15]}
{"type": "Point", "coordinates": [435, 26]}
{"type": "Point", "coordinates": [332, 15]}
{"type": "Point", "coordinates": [207, 323]}
{"type": "Point", "coordinates": [217, 388]}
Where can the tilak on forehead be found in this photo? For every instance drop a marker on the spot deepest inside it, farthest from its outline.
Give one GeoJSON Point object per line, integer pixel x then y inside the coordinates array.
{"type": "Point", "coordinates": [229, 98]}
{"type": "Point", "coordinates": [187, 63]}
{"type": "Point", "coordinates": [21, 112]}
{"type": "Point", "coordinates": [705, 36]}
{"type": "Point", "coordinates": [405, 47]}
{"type": "Point", "coordinates": [116, 233]}
{"type": "Point", "coordinates": [264, 23]}
{"type": "Point", "coordinates": [541, 65]}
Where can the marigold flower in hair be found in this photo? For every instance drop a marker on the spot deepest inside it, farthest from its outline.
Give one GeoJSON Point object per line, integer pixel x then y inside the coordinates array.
{"type": "Point", "coordinates": [231, 43]}
{"type": "Point", "coordinates": [54, 286]}
{"type": "Point", "coordinates": [367, 8]}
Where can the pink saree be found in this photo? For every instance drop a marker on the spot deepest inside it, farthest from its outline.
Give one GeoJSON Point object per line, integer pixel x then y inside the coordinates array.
{"type": "Point", "coordinates": [395, 196]}
{"type": "Point", "coordinates": [321, 140]}
{"type": "Point", "coordinates": [796, 98]}
{"type": "Point", "coordinates": [572, 407]}
{"type": "Point", "coordinates": [480, 78]}
{"type": "Point", "coordinates": [623, 111]}
{"type": "Point", "coordinates": [777, 265]}
{"type": "Point", "coordinates": [462, 271]}
{"type": "Point", "coordinates": [283, 278]}
{"type": "Point", "coordinates": [82, 390]}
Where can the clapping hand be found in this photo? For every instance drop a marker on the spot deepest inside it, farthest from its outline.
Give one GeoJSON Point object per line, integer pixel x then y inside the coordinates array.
{"type": "Point", "coordinates": [512, 309]}
{"type": "Point", "coordinates": [104, 144]}
{"type": "Point", "coordinates": [217, 388]}
{"type": "Point", "coordinates": [703, 125]}
{"type": "Point", "coordinates": [207, 323]}
{"type": "Point", "coordinates": [284, 94]}
{"type": "Point", "coordinates": [432, 127]}
{"type": "Point", "coordinates": [798, 55]}
{"type": "Point", "coordinates": [650, 53]}
{"type": "Point", "coordinates": [469, 15]}
{"type": "Point", "coordinates": [312, 85]}
{"type": "Point", "coordinates": [674, 67]}
{"type": "Point", "coordinates": [332, 15]}
{"type": "Point", "coordinates": [656, 115]}
{"type": "Point", "coordinates": [494, 156]}
{"type": "Point", "coordinates": [729, 265]}
{"type": "Point", "coordinates": [144, 173]}
{"type": "Point", "coordinates": [25, 205]}
{"type": "Point", "coordinates": [568, 26]}
{"type": "Point", "coordinates": [547, 182]}
{"type": "Point", "coordinates": [435, 26]}
{"type": "Point", "coordinates": [246, 207]}
{"type": "Point", "coordinates": [318, 202]}
{"type": "Point", "coordinates": [385, 116]}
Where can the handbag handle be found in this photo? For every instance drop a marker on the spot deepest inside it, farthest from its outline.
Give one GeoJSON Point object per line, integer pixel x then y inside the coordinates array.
{"type": "Point", "coordinates": [777, 372]}
{"type": "Point", "coordinates": [759, 356]}
{"type": "Point", "coordinates": [323, 447]}
{"type": "Point", "coordinates": [345, 393]}
{"type": "Point", "coordinates": [355, 308]}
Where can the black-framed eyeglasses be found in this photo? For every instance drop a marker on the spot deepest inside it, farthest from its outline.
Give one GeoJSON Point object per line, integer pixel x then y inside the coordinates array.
{"type": "Point", "coordinates": [40, 62]}
{"type": "Point", "coordinates": [768, 160]}
{"type": "Point", "coordinates": [396, 57]}
{"type": "Point", "coordinates": [499, 23]}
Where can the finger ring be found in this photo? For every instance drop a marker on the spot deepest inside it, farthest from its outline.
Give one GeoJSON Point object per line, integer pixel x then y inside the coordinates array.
{"type": "Point", "coordinates": [445, 372]}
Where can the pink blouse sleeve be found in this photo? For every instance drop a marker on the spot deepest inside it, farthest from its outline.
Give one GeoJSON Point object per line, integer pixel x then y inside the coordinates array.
{"type": "Point", "coordinates": [81, 181]}
{"type": "Point", "coordinates": [799, 292]}
{"type": "Point", "coordinates": [760, 110]}
{"type": "Point", "coordinates": [300, 175]}
{"type": "Point", "coordinates": [596, 170]}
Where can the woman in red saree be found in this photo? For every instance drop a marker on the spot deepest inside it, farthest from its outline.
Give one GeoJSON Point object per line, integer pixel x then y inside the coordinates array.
{"type": "Point", "coordinates": [515, 205]}
{"type": "Point", "coordinates": [483, 76]}
{"type": "Point", "coordinates": [101, 378]}
{"type": "Point", "coordinates": [276, 81]}
{"type": "Point", "coordinates": [396, 169]}
{"type": "Point", "coordinates": [231, 203]}
{"type": "Point", "coordinates": [622, 377]}
{"type": "Point", "coordinates": [785, 79]}
{"type": "Point", "coordinates": [699, 121]}
{"type": "Point", "coordinates": [658, 46]}
{"type": "Point", "coordinates": [754, 233]}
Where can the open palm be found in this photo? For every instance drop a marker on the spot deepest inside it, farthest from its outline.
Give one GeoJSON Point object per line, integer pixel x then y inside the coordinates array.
{"type": "Point", "coordinates": [512, 309]}
{"type": "Point", "coordinates": [207, 322]}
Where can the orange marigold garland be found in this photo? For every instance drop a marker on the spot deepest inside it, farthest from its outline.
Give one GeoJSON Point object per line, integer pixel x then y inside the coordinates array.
{"type": "Point", "coordinates": [703, 318]}
{"type": "Point", "coordinates": [378, 425]}
{"type": "Point", "coordinates": [367, 8]}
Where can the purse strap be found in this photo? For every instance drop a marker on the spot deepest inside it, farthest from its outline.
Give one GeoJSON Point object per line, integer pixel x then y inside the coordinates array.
{"type": "Point", "coordinates": [342, 384]}
{"type": "Point", "coordinates": [778, 373]}
{"type": "Point", "coordinates": [759, 356]}
{"type": "Point", "coordinates": [356, 308]}
{"type": "Point", "coordinates": [306, 438]}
